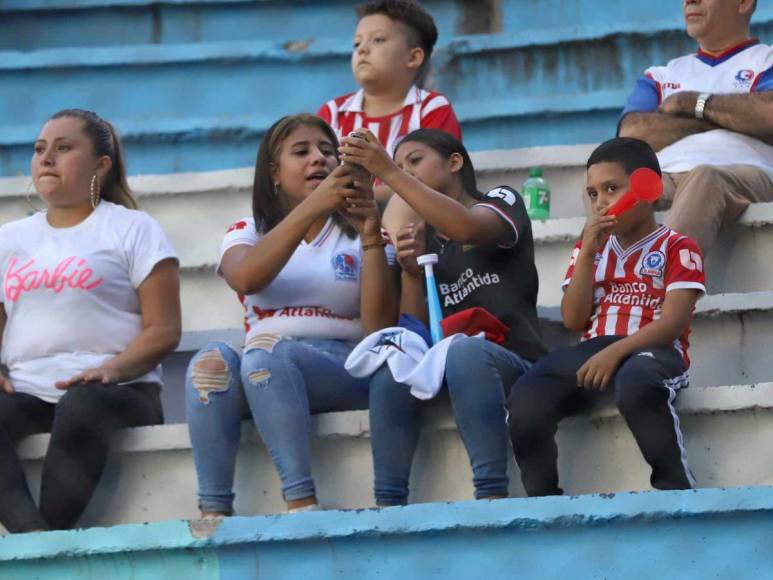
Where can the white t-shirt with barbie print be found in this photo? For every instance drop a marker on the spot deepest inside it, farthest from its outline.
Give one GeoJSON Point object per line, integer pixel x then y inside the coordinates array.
{"type": "Point", "coordinates": [70, 294]}
{"type": "Point", "coordinates": [317, 293]}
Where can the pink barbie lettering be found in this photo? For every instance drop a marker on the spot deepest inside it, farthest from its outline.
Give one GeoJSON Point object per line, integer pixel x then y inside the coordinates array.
{"type": "Point", "coordinates": [71, 272]}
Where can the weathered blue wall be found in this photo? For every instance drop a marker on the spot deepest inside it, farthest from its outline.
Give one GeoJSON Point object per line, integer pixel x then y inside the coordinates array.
{"type": "Point", "coordinates": [32, 24]}
{"type": "Point", "coordinates": [193, 84]}
{"type": "Point", "coordinates": [539, 15]}
{"type": "Point", "coordinates": [702, 534]}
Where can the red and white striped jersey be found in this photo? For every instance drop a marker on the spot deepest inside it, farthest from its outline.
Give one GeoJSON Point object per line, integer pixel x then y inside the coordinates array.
{"type": "Point", "coordinates": [629, 286]}
{"type": "Point", "coordinates": [421, 110]}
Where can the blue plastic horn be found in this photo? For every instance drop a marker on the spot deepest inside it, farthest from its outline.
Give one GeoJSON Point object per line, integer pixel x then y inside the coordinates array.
{"type": "Point", "coordinates": [427, 261]}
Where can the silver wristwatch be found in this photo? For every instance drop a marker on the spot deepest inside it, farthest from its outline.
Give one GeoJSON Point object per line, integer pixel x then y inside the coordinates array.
{"type": "Point", "coordinates": [700, 104]}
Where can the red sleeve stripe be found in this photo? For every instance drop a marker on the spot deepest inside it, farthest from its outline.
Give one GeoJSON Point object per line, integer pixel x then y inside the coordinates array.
{"type": "Point", "coordinates": [657, 84]}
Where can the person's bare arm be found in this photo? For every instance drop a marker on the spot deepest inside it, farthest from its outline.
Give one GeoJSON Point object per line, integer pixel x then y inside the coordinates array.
{"type": "Point", "coordinates": [378, 290]}
{"type": "Point", "coordinates": [412, 299]}
{"type": "Point", "coordinates": [159, 296]}
{"type": "Point", "coordinates": [661, 129]}
{"type": "Point", "coordinates": [397, 215]}
{"type": "Point", "coordinates": [577, 302]}
{"type": "Point", "coordinates": [678, 306]}
{"type": "Point", "coordinates": [379, 294]}
{"type": "Point", "coordinates": [446, 215]}
{"type": "Point", "coordinates": [383, 193]}
{"type": "Point", "coordinates": [410, 243]}
{"type": "Point", "coordinates": [750, 114]}
{"type": "Point", "coordinates": [249, 269]}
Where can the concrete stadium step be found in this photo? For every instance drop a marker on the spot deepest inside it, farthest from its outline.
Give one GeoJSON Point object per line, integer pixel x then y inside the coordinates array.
{"type": "Point", "coordinates": [518, 15]}
{"type": "Point", "coordinates": [35, 24]}
{"type": "Point", "coordinates": [156, 98]}
{"type": "Point", "coordinates": [734, 322]}
{"type": "Point", "coordinates": [511, 89]}
{"type": "Point", "coordinates": [196, 208]}
{"type": "Point", "coordinates": [707, 533]}
{"type": "Point", "coordinates": [167, 133]}
{"type": "Point", "coordinates": [563, 168]}
{"type": "Point", "coordinates": [736, 264]}
{"type": "Point", "coordinates": [729, 343]}
{"type": "Point", "coordinates": [123, 22]}
{"type": "Point", "coordinates": [152, 478]}
{"type": "Point", "coordinates": [552, 86]}
{"type": "Point", "coordinates": [567, 59]}
{"type": "Point", "coordinates": [730, 339]}
{"type": "Point", "coordinates": [212, 144]}
{"type": "Point", "coordinates": [566, 49]}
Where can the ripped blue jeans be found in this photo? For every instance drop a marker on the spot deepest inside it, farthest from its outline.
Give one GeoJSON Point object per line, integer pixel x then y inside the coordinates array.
{"type": "Point", "coordinates": [277, 382]}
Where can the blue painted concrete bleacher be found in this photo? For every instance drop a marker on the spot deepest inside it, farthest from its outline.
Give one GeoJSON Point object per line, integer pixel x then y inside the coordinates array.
{"type": "Point", "coordinates": [680, 534]}
{"type": "Point", "coordinates": [198, 93]}
{"type": "Point", "coordinates": [192, 85]}
{"type": "Point", "coordinates": [35, 24]}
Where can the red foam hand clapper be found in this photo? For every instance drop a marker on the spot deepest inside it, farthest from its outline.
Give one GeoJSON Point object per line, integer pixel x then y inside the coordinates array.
{"type": "Point", "coordinates": [646, 185]}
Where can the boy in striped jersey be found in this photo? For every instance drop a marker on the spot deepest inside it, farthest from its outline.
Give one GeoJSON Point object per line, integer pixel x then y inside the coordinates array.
{"type": "Point", "coordinates": [631, 289]}
{"type": "Point", "coordinates": [391, 53]}
{"type": "Point", "coordinates": [393, 43]}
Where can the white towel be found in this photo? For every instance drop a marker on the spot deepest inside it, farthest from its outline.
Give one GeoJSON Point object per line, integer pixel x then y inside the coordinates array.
{"type": "Point", "coordinates": [410, 360]}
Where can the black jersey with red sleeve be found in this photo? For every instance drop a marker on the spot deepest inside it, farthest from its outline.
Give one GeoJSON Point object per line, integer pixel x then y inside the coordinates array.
{"type": "Point", "coordinates": [500, 278]}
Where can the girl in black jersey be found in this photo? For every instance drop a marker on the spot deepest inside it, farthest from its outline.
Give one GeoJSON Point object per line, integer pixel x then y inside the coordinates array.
{"type": "Point", "coordinates": [486, 262]}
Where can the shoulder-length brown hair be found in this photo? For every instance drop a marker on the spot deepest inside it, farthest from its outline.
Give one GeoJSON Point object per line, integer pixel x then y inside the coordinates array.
{"type": "Point", "coordinates": [269, 207]}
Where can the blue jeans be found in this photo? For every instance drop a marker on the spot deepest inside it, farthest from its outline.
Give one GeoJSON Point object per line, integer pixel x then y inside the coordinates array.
{"type": "Point", "coordinates": [280, 386]}
{"type": "Point", "coordinates": [478, 377]}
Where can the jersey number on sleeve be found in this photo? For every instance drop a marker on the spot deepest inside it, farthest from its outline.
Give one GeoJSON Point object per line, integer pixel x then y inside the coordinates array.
{"type": "Point", "coordinates": [691, 260]}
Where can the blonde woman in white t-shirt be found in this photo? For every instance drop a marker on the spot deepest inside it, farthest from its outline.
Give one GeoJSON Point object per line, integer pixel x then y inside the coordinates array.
{"type": "Point", "coordinates": [90, 306]}
{"type": "Point", "coordinates": [311, 270]}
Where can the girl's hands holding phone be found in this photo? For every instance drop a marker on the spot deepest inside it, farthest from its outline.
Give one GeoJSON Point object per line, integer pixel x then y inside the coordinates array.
{"type": "Point", "coordinates": [366, 151]}
{"type": "Point", "coordinates": [334, 191]}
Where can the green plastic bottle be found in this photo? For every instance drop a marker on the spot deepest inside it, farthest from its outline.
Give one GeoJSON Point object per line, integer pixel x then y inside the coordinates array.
{"type": "Point", "coordinates": [536, 195]}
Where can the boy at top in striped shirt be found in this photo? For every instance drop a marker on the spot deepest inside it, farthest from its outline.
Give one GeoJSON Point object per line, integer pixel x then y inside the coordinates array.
{"type": "Point", "coordinates": [393, 43]}
{"type": "Point", "coordinates": [391, 53]}
{"type": "Point", "coordinates": [631, 289]}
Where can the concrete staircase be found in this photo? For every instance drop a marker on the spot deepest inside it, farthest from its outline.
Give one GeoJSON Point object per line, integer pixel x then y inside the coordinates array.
{"type": "Point", "coordinates": [192, 84]}
{"type": "Point", "coordinates": [151, 477]}
{"type": "Point", "coordinates": [711, 534]}
{"type": "Point", "coordinates": [30, 25]}
{"type": "Point", "coordinates": [725, 413]}
{"type": "Point", "coordinates": [187, 82]}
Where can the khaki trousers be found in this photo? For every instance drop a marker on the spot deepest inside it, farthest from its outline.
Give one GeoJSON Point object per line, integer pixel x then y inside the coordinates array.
{"type": "Point", "coordinates": [703, 200]}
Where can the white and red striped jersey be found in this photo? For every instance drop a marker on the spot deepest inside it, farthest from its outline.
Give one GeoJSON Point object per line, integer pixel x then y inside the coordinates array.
{"type": "Point", "coordinates": [742, 69]}
{"type": "Point", "coordinates": [421, 110]}
{"type": "Point", "coordinates": [629, 286]}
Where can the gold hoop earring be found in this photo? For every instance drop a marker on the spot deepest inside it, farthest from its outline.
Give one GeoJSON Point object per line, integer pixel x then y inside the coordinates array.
{"type": "Point", "coordinates": [36, 209]}
{"type": "Point", "coordinates": [94, 192]}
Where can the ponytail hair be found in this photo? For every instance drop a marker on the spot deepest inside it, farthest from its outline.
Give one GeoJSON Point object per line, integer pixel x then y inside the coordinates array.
{"type": "Point", "coordinates": [104, 138]}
